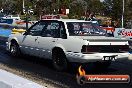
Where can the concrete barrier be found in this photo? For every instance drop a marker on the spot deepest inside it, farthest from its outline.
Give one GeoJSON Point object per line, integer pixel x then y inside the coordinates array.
{"type": "Point", "coordinates": [130, 57]}
{"type": "Point", "coordinates": [9, 80]}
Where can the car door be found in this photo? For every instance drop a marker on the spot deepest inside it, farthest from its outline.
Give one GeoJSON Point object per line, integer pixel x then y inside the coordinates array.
{"type": "Point", "coordinates": [50, 35]}
{"type": "Point", "coordinates": [29, 41]}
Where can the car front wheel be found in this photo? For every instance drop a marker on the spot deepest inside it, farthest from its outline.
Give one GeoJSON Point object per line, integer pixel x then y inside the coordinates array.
{"type": "Point", "coordinates": [14, 50]}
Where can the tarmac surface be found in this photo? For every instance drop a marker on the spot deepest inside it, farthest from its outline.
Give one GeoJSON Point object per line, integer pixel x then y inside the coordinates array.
{"type": "Point", "coordinates": [42, 72]}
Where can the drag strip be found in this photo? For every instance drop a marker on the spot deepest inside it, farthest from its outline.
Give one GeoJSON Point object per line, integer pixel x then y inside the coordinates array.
{"type": "Point", "coordinates": [42, 72]}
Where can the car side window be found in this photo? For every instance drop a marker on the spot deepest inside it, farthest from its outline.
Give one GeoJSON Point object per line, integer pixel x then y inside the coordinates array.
{"type": "Point", "coordinates": [52, 30]}
{"type": "Point", "coordinates": [37, 29]}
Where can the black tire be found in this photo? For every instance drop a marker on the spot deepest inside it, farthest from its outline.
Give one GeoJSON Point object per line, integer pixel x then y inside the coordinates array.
{"type": "Point", "coordinates": [59, 60]}
{"type": "Point", "coordinates": [103, 65]}
{"type": "Point", "coordinates": [14, 49]}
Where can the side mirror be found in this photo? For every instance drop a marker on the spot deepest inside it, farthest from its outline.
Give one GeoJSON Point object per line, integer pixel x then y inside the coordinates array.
{"type": "Point", "coordinates": [26, 33]}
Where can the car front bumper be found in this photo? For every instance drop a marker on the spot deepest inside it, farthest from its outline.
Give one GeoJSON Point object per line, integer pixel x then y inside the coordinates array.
{"type": "Point", "coordinates": [84, 58]}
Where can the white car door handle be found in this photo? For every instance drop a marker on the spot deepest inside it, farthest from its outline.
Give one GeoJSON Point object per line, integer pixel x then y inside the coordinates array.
{"type": "Point", "coordinates": [53, 41]}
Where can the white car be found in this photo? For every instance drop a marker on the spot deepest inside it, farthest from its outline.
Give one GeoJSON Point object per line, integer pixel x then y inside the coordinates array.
{"type": "Point", "coordinates": [68, 40]}
{"type": "Point", "coordinates": [12, 17]}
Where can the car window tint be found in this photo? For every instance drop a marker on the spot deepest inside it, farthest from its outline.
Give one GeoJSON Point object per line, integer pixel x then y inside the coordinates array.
{"type": "Point", "coordinates": [84, 29]}
{"type": "Point", "coordinates": [37, 29]}
{"type": "Point", "coordinates": [52, 30]}
{"type": "Point", "coordinates": [54, 26]}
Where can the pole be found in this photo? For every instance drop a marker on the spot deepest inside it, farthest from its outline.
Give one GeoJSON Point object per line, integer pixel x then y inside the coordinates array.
{"type": "Point", "coordinates": [23, 6]}
{"type": "Point", "coordinates": [26, 10]}
{"type": "Point", "coordinates": [123, 15]}
{"type": "Point", "coordinates": [58, 1]}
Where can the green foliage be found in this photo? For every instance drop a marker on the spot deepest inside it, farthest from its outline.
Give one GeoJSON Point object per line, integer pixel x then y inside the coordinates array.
{"type": "Point", "coordinates": [113, 9]}
{"type": "Point", "coordinates": [116, 9]}
{"type": "Point", "coordinates": [109, 8]}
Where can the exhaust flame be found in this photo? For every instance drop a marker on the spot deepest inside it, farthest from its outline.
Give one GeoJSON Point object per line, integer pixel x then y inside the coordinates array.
{"type": "Point", "coordinates": [81, 71]}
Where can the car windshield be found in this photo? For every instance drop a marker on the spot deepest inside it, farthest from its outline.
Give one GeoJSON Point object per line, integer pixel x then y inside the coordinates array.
{"type": "Point", "coordinates": [84, 29]}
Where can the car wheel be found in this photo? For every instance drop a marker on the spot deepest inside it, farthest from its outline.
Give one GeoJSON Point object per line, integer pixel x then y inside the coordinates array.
{"type": "Point", "coordinates": [14, 50]}
{"type": "Point", "coordinates": [103, 65]}
{"type": "Point", "coordinates": [59, 60]}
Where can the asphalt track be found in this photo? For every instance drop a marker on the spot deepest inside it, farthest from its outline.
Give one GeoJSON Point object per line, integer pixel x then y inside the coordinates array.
{"type": "Point", "coordinates": [42, 72]}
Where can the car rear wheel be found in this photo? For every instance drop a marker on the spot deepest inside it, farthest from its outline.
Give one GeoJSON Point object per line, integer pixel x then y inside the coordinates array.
{"type": "Point", "coordinates": [59, 60]}
{"type": "Point", "coordinates": [14, 49]}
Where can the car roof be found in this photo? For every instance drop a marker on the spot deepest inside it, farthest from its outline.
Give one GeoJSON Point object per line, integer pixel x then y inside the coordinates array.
{"type": "Point", "coordinates": [68, 20]}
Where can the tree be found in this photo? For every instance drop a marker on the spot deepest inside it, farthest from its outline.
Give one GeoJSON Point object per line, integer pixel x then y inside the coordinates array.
{"type": "Point", "coordinates": [94, 6]}
{"type": "Point", "coordinates": [77, 8]}
{"type": "Point", "coordinates": [117, 9]}
{"type": "Point", "coordinates": [128, 9]}
{"type": "Point", "coordinates": [108, 6]}
{"type": "Point", "coordinates": [113, 9]}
